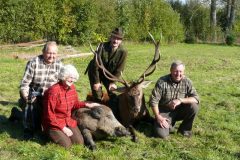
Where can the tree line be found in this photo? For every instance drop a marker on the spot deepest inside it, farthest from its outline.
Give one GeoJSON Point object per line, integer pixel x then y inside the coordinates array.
{"type": "Point", "coordinates": [209, 20]}
{"type": "Point", "coordinates": [77, 22]}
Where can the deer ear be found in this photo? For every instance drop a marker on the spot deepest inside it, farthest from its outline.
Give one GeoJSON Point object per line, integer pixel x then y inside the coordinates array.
{"type": "Point", "coordinates": [145, 84]}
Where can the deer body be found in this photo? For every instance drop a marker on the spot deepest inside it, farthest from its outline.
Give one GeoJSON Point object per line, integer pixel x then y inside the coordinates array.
{"type": "Point", "coordinates": [131, 105]}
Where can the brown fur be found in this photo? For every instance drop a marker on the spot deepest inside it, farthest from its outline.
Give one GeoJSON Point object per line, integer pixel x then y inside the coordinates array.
{"type": "Point", "coordinates": [105, 98]}
{"type": "Point", "coordinates": [98, 122]}
{"type": "Point", "coordinates": [128, 112]}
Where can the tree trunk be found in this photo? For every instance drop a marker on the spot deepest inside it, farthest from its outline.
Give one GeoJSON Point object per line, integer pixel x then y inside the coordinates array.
{"type": "Point", "coordinates": [213, 20]}
{"type": "Point", "coordinates": [230, 15]}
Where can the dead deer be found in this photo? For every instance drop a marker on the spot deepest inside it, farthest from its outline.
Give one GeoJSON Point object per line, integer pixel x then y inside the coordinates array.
{"type": "Point", "coordinates": [131, 101]}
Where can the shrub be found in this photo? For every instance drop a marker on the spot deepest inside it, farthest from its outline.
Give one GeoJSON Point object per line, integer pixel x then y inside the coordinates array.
{"type": "Point", "coordinates": [190, 39]}
{"type": "Point", "coordinates": [230, 39]}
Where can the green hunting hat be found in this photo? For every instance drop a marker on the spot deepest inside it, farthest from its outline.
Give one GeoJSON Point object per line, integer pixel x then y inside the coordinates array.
{"type": "Point", "coordinates": [117, 32]}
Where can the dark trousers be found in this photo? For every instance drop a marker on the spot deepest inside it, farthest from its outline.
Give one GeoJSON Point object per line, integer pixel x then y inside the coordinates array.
{"type": "Point", "coordinates": [98, 94]}
{"type": "Point", "coordinates": [58, 137]}
{"type": "Point", "coordinates": [32, 113]}
{"type": "Point", "coordinates": [185, 112]}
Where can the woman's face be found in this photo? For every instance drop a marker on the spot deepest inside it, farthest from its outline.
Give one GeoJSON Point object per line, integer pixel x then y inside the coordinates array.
{"type": "Point", "coordinates": [70, 80]}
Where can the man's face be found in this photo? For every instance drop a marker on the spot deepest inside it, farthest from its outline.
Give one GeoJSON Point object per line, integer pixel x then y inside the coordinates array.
{"type": "Point", "coordinates": [177, 73]}
{"type": "Point", "coordinates": [115, 42]}
{"type": "Point", "coordinates": [51, 54]}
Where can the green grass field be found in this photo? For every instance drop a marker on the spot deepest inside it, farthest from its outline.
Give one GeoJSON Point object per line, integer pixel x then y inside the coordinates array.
{"type": "Point", "coordinates": [214, 70]}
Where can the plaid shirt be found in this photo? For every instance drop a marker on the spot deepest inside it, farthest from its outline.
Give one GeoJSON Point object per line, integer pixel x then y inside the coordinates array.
{"type": "Point", "coordinates": [166, 90]}
{"type": "Point", "coordinates": [39, 76]}
{"type": "Point", "coordinates": [58, 104]}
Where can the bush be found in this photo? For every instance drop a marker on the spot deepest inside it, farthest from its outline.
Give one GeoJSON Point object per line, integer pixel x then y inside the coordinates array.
{"type": "Point", "coordinates": [190, 39]}
{"type": "Point", "coordinates": [230, 39]}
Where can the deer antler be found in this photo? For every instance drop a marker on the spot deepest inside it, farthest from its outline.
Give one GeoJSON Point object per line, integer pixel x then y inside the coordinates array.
{"type": "Point", "coordinates": [106, 73]}
{"type": "Point", "coordinates": [151, 68]}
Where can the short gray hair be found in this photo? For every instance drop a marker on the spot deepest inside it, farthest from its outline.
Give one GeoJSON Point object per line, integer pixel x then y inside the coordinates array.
{"type": "Point", "coordinates": [68, 71]}
{"type": "Point", "coordinates": [177, 63]}
{"type": "Point", "coordinates": [50, 43]}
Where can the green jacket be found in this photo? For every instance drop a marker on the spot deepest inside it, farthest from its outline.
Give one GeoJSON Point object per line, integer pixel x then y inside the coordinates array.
{"type": "Point", "coordinates": [114, 62]}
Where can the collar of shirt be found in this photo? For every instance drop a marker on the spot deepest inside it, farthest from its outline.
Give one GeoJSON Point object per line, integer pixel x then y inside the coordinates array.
{"type": "Point", "coordinates": [64, 88]}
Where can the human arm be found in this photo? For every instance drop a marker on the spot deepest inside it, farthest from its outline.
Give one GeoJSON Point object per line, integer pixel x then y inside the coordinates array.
{"type": "Point", "coordinates": [78, 103]}
{"type": "Point", "coordinates": [176, 102]}
{"type": "Point", "coordinates": [50, 102]}
{"type": "Point", "coordinates": [93, 71]}
{"type": "Point", "coordinates": [192, 95]}
{"type": "Point", "coordinates": [97, 86]}
{"type": "Point", "coordinates": [27, 79]}
{"type": "Point", "coordinates": [154, 102]}
{"type": "Point", "coordinates": [187, 100]}
{"type": "Point", "coordinates": [162, 121]}
{"type": "Point", "coordinates": [91, 104]}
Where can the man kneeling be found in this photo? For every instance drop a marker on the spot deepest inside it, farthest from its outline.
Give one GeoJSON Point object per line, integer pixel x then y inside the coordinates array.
{"type": "Point", "coordinates": [173, 99]}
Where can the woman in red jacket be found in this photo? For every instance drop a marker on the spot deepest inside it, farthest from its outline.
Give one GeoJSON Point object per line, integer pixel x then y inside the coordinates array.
{"type": "Point", "coordinates": [59, 102]}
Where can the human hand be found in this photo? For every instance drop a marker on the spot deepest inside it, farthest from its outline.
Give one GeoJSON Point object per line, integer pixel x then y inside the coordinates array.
{"type": "Point", "coordinates": [67, 131]}
{"type": "Point", "coordinates": [91, 105]}
{"type": "Point", "coordinates": [174, 103]}
{"type": "Point", "coordinates": [163, 122]}
{"type": "Point", "coordinates": [112, 86]}
{"type": "Point", "coordinates": [24, 95]}
{"type": "Point", "coordinates": [32, 99]}
{"type": "Point", "coordinates": [97, 86]}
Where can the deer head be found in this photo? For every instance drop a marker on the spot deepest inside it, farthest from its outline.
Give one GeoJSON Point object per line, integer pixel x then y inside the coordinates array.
{"type": "Point", "coordinates": [133, 91]}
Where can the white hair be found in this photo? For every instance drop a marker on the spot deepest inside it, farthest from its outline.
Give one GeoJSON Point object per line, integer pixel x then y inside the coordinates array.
{"type": "Point", "coordinates": [68, 71]}
{"type": "Point", "coordinates": [48, 44]}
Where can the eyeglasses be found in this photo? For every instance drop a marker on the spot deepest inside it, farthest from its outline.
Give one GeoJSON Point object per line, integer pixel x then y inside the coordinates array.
{"type": "Point", "coordinates": [74, 79]}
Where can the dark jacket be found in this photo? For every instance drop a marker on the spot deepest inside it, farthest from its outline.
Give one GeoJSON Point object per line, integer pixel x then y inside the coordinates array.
{"type": "Point", "coordinates": [114, 62]}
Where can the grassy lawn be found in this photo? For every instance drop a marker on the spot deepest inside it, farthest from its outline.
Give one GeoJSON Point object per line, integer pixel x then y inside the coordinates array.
{"type": "Point", "coordinates": [214, 70]}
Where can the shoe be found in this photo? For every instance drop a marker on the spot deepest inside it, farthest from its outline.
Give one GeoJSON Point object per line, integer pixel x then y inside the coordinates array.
{"type": "Point", "coordinates": [187, 134]}
{"type": "Point", "coordinates": [27, 134]}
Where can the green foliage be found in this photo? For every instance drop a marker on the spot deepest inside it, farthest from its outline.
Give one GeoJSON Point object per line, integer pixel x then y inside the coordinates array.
{"type": "Point", "coordinates": [156, 17]}
{"type": "Point", "coordinates": [25, 20]}
{"type": "Point", "coordinates": [230, 39]}
{"type": "Point", "coordinates": [77, 22]}
{"type": "Point", "coordinates": [190, 38]}
{"type": "Point", "coordinates": [195, 16]}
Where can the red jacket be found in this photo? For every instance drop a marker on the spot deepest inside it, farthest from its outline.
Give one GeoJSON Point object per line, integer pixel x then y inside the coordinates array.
{"type": "Point", "coordinates": [58, 104]}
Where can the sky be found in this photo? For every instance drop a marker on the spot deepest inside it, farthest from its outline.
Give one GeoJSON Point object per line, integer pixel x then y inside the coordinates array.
{"type": "Point", "coordinates": [184, 1]}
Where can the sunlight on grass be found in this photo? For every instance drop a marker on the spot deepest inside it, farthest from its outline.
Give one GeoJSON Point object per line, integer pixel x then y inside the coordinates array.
{"type": "Point", "coordinates": [213, 70]}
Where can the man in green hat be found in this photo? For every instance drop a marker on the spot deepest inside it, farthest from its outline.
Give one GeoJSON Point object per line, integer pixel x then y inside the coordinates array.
{"type": "Point", "coordinates": [113, 56]}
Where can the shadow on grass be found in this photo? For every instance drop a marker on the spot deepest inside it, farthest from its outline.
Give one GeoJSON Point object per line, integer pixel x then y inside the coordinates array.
{"type": "Point", "coordinates": [145, 128]}
{"type": "Point", "coordinates": [5, 103]}
{"type": "Point", "coordinates": [15, 131]}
